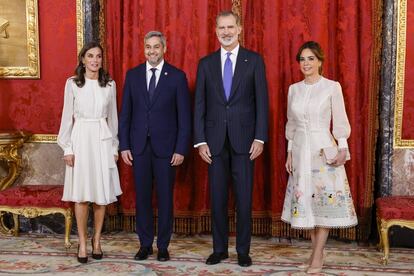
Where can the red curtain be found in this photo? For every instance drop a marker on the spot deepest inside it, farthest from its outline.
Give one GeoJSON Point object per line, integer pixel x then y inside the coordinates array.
{"type": "Point", "coordinates": [348, 32]}
{"type": "Point", "coordinates": [189, 27]}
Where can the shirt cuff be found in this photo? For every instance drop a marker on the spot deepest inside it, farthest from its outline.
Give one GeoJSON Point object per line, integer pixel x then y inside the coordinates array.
{"type": "Point", "coordinates": [342, 143]}
{"type": "Point", "coordinates": [68, 151]}
{"type": "Point", "coordinates": [290, 145]}
{"type": "Point", "coordinates": [199, 144]}
{"type": "Point", "coordinates": [260, 141]}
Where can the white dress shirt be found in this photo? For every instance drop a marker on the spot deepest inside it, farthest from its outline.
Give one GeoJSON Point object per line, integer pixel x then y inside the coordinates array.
{"type": "Point", "coordinates": [157, 72]}
{"type": "Point", "coordinates": [233, 57]}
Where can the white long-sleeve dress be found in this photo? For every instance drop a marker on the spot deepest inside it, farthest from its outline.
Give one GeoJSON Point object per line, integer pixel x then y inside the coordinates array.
{"type": "Point", "coordinates": [89, 130]}
{"type": "Point", "coordinates": [317, 194]}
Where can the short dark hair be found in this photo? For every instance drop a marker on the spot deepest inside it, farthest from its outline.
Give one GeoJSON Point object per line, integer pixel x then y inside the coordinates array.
{"type": "Point", "coordinates": [104, 77]}
{"type": "Point", "coordinates": [158, 34]}
{"type": "Point", "coordinates": [316, 50]}
{"type": "Point", "coordinates": [228, 13]}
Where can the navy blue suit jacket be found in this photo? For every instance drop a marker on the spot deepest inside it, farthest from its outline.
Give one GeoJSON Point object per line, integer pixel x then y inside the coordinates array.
{"type": "Point", "coordinates": [166, 119]}
{"type": "Point", "coordinates": [244, 116]}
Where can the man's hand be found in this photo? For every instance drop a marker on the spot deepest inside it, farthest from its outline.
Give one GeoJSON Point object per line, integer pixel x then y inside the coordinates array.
{"type": "Point", "coordinates": [255, 150]}
{"type": "Point", "coordinates": [288, 164]}
{"type": "Point", "coordinates": [177, 159]}
{"type": "Point", "coordinates": [127, 157]}
{"type": "Point", "coordinates": [340, 158]}
{"type": "Point", "coordinates": [205, 154]}
{"type": "Point", "coordinates": [69, 159]}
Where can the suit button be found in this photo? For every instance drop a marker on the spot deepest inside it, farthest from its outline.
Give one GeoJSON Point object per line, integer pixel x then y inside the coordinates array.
{"type": "Point", "coordinates": [225, 121]}
{"type": "Point", "coordinates": [227, 107]}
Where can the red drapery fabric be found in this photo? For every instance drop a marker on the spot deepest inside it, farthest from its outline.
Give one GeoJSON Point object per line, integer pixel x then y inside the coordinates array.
{"type": "Point", "coordinates": [189, 27]}
{"type": "Point", "coordinates": [275, 28]}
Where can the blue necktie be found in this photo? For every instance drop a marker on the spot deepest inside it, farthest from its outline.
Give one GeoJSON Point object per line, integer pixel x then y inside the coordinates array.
{"type": "Point", "coordinates": [151, 87]}
{"type": "Point", "coordinates": [227, 76]}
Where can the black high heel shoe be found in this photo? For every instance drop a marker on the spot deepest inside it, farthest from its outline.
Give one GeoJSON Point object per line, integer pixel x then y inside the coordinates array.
{"type": "Point", "coordinates": [82, 260]}
{"type": "Point", "coordinates": [96, 256]}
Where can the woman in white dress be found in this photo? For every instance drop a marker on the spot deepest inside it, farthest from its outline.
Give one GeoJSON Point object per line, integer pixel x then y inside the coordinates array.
{"type": "Point", "coordinates": [88, 137]}
{"type": "Point", "coordinates": [317, 195]}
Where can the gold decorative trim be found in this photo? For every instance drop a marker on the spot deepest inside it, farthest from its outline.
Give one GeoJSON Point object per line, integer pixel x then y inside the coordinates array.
{"type": "Point", "coordinates": [32, 70]}
{"type": "Point", "coordinates": [102, 30]}
{"type": "Point", "coordinates": [236, 7]}
{"type": "Point", "coordinates": [43, 138]}
{"type": "Point", "coordinates": [400, 77]}
{"type": "Point", "coordinates": [32, 212]}
{"type": "Point", "coordinates": [80, 23]}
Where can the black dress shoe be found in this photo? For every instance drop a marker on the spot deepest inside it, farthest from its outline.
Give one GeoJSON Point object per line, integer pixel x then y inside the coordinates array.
{"type": "Point", "coordinates": [82, 260]}
{"type": "Point", "coordinates": [216, 257]}
{"type": "Point", "coordinates": [143, 253]}
{"type": "Point", "coordinates": [94, 255]}
{"type": "Point", "coordinates": [244, 260]}
{"type": "Point", "coordinates": [163, 255]}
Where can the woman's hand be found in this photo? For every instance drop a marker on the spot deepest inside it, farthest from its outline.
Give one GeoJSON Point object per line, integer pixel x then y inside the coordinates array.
{"type": "Point", "coordinates": [69, 160]}
{"type": "Point", "coordinates": [340, 158]}
{"type": "Point", "coordinates": [116, 158]}
{"type": "Point", "coordinates": [288, 164]}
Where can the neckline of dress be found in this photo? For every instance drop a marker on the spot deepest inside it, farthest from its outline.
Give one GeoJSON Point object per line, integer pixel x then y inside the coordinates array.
{"type": "Point", "coordinates": [306, 84]}
{"type": "Point", "coordinates": [90, 79]}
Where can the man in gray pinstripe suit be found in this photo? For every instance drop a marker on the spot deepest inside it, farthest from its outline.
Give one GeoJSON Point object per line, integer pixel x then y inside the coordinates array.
{"type": "Point", "coordinates": [230, 128]}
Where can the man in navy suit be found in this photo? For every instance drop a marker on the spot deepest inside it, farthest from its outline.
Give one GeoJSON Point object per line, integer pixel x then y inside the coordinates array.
{"type": "Point", "coordinates": [230, 128]}
{"type": "Point", "coordinates": [154, 134]}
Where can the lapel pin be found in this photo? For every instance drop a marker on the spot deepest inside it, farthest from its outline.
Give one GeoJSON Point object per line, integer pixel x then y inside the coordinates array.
{"type": "Point", "coordinates": [245, 60]}
{"type": "Point", "coordinates": [166, 73]}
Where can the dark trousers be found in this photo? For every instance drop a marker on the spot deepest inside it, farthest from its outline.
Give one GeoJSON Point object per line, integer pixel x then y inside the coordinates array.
{"type": "Point", "coordinates": [240, 168]}
{"type": "Point", "coordinates": [147, 167]}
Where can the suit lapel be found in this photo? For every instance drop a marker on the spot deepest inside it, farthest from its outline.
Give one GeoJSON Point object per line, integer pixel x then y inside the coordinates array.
{"type": "Point", "coordinates": [218, 76]}
{"type": "Point", "coordinates": [142, 80]}
{"type": "Point", "coordinates": [241, 67]}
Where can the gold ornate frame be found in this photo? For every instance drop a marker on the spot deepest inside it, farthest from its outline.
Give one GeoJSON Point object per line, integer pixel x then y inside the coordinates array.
{"type": "Point", "coordinates": [32, 70]}
{"type": "Point", "coordinates": [400, 76]}
{"type": "Point", "coordinates": [80, 24]}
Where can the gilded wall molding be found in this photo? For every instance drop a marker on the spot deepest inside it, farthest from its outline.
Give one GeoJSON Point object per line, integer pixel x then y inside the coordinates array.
{"type": "Point", "coordinates": [80, 22]}
{"type": "Point", "coordinates": [43, 138]}
{"type": "Point", "coordinates": [399, 142]}
{"type": "Point", "coordinates": [32, 70]}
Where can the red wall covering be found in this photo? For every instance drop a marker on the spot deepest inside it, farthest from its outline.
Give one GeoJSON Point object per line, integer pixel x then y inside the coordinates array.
{"type": "Point", "coordinates": [36, 105]}
{"type": "Point", "coordinates": [407, 131]}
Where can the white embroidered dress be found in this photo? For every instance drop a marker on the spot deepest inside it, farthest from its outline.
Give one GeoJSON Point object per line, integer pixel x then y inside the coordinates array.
{"type": "Point", "coordinates": [89, 130]}
{"type": "Point", "coordinates": [317, 194]}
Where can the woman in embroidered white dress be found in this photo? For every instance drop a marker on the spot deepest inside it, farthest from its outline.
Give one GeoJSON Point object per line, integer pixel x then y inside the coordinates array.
{"type": "Point", "coordinates": [88, 137]}
{"type": "Point", "coordinates": [317, 195]}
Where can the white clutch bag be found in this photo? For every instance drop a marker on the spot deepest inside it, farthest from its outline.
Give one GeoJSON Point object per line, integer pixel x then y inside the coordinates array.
{"type": "Point", "coordinates": [329, 153]}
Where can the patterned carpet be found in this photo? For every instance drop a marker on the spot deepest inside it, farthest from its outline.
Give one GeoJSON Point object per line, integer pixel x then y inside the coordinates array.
{"type": "Point", "coordinates": [46, 255]}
